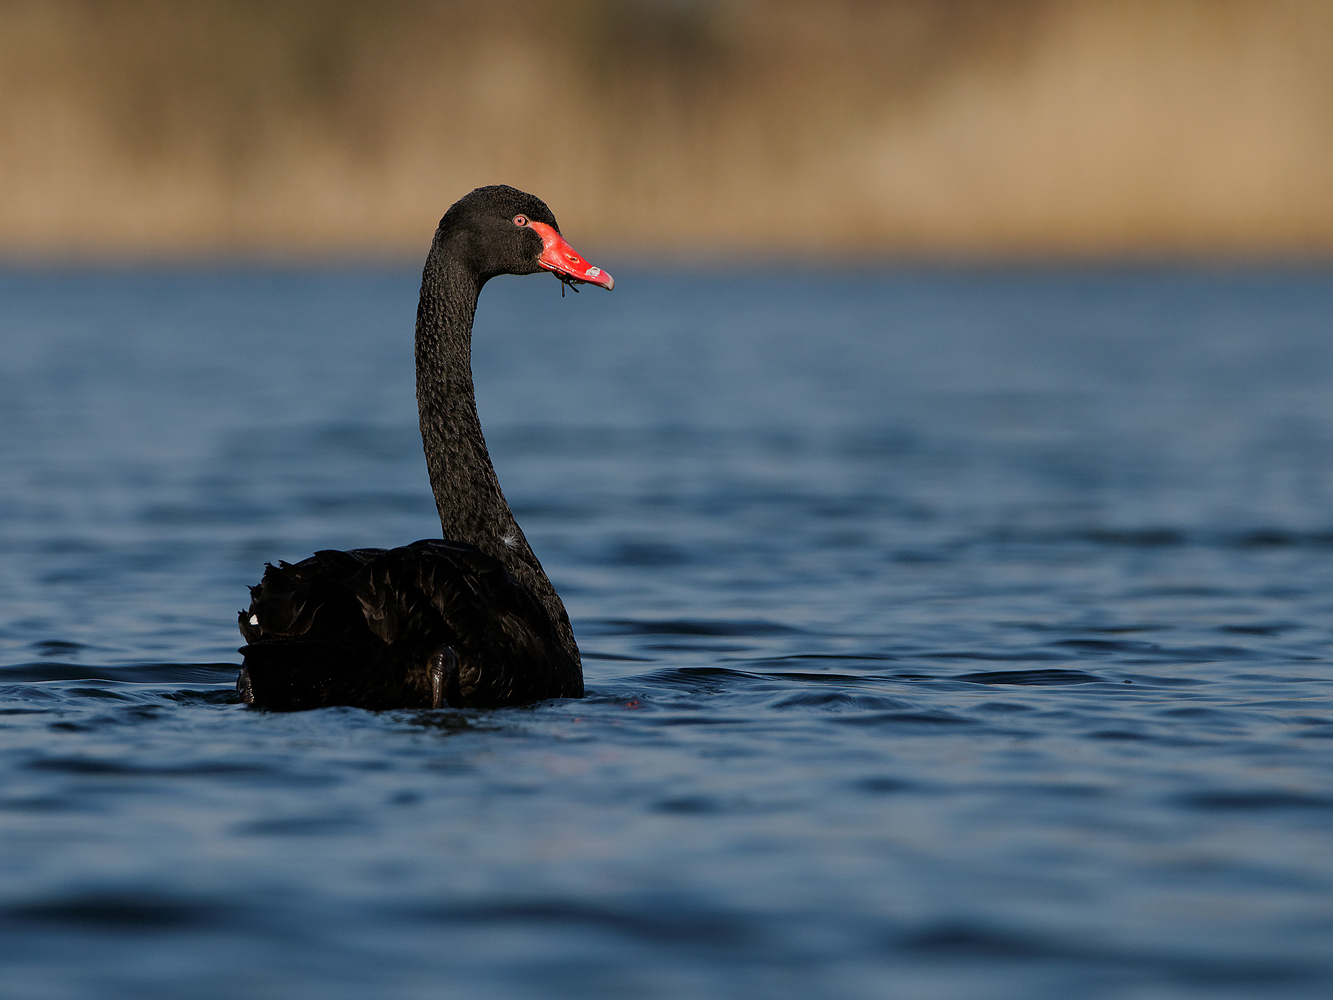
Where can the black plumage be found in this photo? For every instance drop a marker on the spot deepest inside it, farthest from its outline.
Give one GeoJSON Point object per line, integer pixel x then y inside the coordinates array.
{"type": "Point", "coordinates": [469, 620]}
{"type": "Point", "coordinates": [371, 628]}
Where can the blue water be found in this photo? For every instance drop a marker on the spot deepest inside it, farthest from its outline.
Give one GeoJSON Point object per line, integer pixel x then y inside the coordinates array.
{"type": "Point", "coordinates": [948, 634]}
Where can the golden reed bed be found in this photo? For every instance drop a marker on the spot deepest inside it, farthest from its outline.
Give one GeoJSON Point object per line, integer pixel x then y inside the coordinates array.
{"type": "Point", "coordinates": [917, 127]}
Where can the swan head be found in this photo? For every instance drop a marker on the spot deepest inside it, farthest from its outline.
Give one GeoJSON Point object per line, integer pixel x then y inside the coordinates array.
{"type": "Point", "coordinates": [502, 230]}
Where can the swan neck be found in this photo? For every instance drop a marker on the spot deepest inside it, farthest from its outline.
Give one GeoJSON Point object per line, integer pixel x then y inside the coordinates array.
{"type": "Point", "coordinates": [468, 497]}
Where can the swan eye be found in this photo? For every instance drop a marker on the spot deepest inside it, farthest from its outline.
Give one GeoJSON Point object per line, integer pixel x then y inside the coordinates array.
{"type": "Point", "coordinates": [520, 220]}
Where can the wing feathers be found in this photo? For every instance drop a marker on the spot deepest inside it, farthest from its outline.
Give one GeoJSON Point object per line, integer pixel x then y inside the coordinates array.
{"type": "Point", "coordinates": [364, 627]}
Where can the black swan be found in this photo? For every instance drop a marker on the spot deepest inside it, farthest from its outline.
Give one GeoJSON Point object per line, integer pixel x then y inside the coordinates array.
{"type": "Point", "coordinates": [467, 620]}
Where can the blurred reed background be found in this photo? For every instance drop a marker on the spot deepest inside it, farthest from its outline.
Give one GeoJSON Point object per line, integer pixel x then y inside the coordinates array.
{"type": "Point", "coordinates": [852, 127]}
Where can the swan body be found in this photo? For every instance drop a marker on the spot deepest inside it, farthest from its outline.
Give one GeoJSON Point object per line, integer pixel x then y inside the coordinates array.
{"type": "Point", "coordinates": [469, 619]}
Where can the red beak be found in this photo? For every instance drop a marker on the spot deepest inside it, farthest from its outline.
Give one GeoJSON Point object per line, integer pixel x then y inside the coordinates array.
{"type": "Point", "coordinates": [560, 257]}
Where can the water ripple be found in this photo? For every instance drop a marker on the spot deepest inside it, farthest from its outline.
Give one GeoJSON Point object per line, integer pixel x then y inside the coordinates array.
{"type": "Point", "coordinates": [946, 633]}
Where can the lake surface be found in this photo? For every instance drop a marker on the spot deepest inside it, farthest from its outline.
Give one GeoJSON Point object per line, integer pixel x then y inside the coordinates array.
{"type": "Point", "coordinates": [948, 634]}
